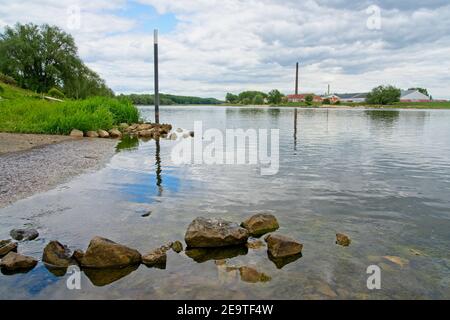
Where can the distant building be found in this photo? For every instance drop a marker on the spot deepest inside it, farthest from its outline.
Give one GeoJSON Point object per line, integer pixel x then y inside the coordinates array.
{"type": "Point", "coordinates": [352, 97]}
{"type": "Point", "coordinates": [302, 96]}
{"type": "Point", "coordinates": [413, 96]}
{"type": "Point", "coordinates": [332, 97]}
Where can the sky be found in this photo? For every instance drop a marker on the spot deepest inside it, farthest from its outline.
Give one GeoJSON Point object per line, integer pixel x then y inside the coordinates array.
{"type": "Point", "coordinates": [211, 47]}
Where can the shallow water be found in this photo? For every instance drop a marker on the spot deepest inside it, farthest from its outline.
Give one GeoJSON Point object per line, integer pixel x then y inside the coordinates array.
{"type": "Point", "coordinates": [382, 177]}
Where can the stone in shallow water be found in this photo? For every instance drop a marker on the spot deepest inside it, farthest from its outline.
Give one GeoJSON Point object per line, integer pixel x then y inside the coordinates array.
{"type": "Point", "coordinates": [104, 253]}
{"type": "Point", "coordinates": [15, 262]}
{"type": "Point", "coordinates": [249, 274]}
{"type": "Point", "coordinates": [258, 244]}
{"type": "Point", "coordinates": [115, 133]}
{"type": "Point", "coordinates": [260, 224]}
{"type": "Point", "coordinates": [177, 246]}
{"type": "Point", "coordinates": [280, 246]}
{"type": "Point", "coordinates": [156, 258]}
{"type": "Point", "coordinates": [342, 240]}
{"type": "Point", "coordinates": [57, 255]}
{"type": "Point", "coordinates": [6, 246]}
{"type": "Point", "coordinates": [24, 234]}
{"type": "Point", "coordinates": [210, 233]}
{"type": "Point", "coordinates": [397, 260]}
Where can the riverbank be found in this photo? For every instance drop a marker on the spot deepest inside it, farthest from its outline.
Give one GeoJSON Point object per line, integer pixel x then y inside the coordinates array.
{"type": "Point", "coordinates": [31, 164]}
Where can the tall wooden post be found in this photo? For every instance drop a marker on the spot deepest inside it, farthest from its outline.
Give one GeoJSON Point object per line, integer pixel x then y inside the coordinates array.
{"type": "Point", "coordinates": [155, 46]}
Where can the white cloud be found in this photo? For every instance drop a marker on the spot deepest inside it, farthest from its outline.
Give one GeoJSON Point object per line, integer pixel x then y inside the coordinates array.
{"type": "Point", "coordinates": [233, 45]}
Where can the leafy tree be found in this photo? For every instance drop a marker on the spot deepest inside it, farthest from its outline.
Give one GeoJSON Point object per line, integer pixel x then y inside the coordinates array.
{"type": "Point", "coordinates": [258, 99]}
{"type": "Point", "coordinates": [250, 95]}
{"type": "Point", "coordinates": [246, 101]}
{"type": "Point", "coordinates": [275, 97]}
{"type": "Point", "coordinates": [383, 95]}
{"type": "Point", "coordinates": [231, 98]}
{"type": "Point", "coordinates": [309, 99]}
{"type": "Point", "coordinates": [7, 79]}
{"type": "Point", "coordinates": [43, 57]}
{"type": "Point", "coordinates": [421, 90]}
{"type": "Point", "coordinates": [326, 101]}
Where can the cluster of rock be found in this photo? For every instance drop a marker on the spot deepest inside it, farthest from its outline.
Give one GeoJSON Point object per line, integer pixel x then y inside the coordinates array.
{"type": "Point", "coordinates": [11, 261]}
{"type": "Point", "coordinates": [113, 133]}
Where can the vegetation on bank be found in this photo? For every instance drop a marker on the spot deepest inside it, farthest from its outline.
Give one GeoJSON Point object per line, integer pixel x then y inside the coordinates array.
{"type": "Point", "coordinates": [23, 111]}
{"type": "Point", "coordinates": [255, 97]}
{"type": "Point", "coordinates": [168, 99]}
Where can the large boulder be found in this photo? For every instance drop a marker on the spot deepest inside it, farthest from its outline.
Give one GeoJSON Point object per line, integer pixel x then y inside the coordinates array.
{"type": "Point", "coordinates": [92, 134]}
{"type": "Point", "coordinates": [6, 246]}
{"type": "Point", "coordinates": [24, 234]}
{"type": "Point", "coordinates": [280, 246]}
{"type": "Point", "coordinates": [115, 133]}
{"type": "Point", "coordinates": [104, 253]}
{"type": "Point", "coordinates": [14, 261]}
{"type": "Point", "coordinates": [76, 133]}
{"type": "Point", "coordinates": [57, 255]}
{"type": "Point", "coordinates": [260, 224]}
{"type": "Point", "coordinates": [210, 233]}
{"type": "Point", "coordinates": [103, 133]}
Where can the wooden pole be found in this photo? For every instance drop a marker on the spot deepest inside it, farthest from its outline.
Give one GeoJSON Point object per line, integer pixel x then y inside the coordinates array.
{"type": "Point", "coordinates": [296, 78]}
{"type": "Point", "coordinates": [155, 47]}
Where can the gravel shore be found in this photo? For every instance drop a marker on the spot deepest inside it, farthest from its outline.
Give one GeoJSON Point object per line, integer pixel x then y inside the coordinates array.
{"type": "Point", "coordinates": [30, 165]}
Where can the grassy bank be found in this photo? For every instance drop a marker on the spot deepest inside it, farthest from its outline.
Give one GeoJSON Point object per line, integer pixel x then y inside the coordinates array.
{"type": "Point", "coordinates": [25, 112]}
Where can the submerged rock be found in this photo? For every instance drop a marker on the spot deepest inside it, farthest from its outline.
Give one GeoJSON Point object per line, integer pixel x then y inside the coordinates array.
{"type": "Point", "coordinates": [260, 224]}
{"type": "Point", "coordinates": [92, 134]}
{"type": "Point", "coordinates": [57, 255]}
{"type": "Point", "coordinates": [280, 246]}
{"type": "Point", "coordinates": [14, 262]}
{"type": "Point", "coordinates": [255, 244]}
{"type": "Point", "coordinates": [76, 133]}
{"type": "Point", "coordinates": [103, 133]}
{"type": "Point", "coordinates": [24, 234]}
{"type": "Point", "coordinates": [115, 133]}
{"type": "Point", "coordinates": [252, 275]}
{"type": "Point", "coordinates": [156, 258]}
{"type": "Point", "coordinates": [6, 246]}
{"type": "Point", "coordinates": [177, 246]}
{"type": "Point", "coordinates": [397, 260]}
{"type": "Point", "coordinates": [209, 233]}
{"type": "Point", "coordinates": [104, 253]}
{"type": "Point", "coordinates": [342, 240]}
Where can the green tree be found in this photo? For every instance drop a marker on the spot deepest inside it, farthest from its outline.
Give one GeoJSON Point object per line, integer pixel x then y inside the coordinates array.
{"type": "Point", "coordinates": [274, 96]}
{"type": "Point", "coordinates": [56, 93]}
{"type": "Point", "coordinates": [383, 95]}
{"type": "Point", "coordinates": [231, 98]}
{"type": "Point", "coordinates": [326, 101]}
{"type": "Point", "coordinates": [309, 99]}
{"type": "Point", "coordinates": [258, 99]}
{"type": "Point", "coordinates": [246, 101]}
{"type": "Point", "coordinates": [421, 90]}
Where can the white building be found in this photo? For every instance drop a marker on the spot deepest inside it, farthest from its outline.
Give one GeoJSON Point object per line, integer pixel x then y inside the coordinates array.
{"type": "Point", "coordinates": [413, 96]}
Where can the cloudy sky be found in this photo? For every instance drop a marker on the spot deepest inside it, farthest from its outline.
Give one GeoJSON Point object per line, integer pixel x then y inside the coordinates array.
{"type": "Point", "coordinates": [210, 47]}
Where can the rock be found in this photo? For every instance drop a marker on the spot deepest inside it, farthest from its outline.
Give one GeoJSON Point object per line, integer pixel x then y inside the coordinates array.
{"type": "Point", "coordinates": [76, 133]}
{"type": "Point", "coordinates": [255, 244]}
{"type": "Point", "coordinates": [397, 260]}
{"type": "Point", "coordinates": [144, 126]}
{"type": "Point", "coordinates": [177, 246]}
{"type": "Point", "coordinates": [147, 214]}
{"type": "Point", "coordinates": [104, 253]}
{"type": "Point", "coordinates": [92, 134]}
{"type": "Point", "coordinates": [416, 252]}
{"type": "Point", "coordinates": [281, 262]}
{"type": "Point", "coordinates": [103, 133]}
{"type": "Point", "coordinates": [260, 224]}
{"type": "Point", "coordinates": [191, 133]}
{"type": "Point", "coordinates": [77, 256]}
{"type": "Point", "coordinates": [280, 246]}
{"type": "Point", "coordinates": [252, 275]}
{"type": "Point", "coordinates": [6, 246]}
{"type": "Point", "coordinates": [133, 127]}
{"type": "Point", "coordinates": [14, 261]}
{"type": "Point", "coordinates": [57, 255]}
{"type": "Point", "coordinates": [324, 289]}
{"type": "Point", "coordinates": [209, 233]}
{"type": "Point", "coordinates": [146, 133]}
{"type": "Point", "coordinates": [179, 130]}
{"type": "Point", "coordinates": [156, 257]}
{"type": "Point", "coordinates": [115, 133]}
{"type": "Point", "coordinates": [173, 136]}
{"type": "Point", "coordinates": [186, 135]}
{"type": "Point", "coordinates": [24, 234]}
{"type": "Point", "coordinates": [342, 240]}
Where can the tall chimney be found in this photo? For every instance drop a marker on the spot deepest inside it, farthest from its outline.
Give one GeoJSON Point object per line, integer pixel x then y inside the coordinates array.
{"type": "Point", "coordinates": [296, 78]}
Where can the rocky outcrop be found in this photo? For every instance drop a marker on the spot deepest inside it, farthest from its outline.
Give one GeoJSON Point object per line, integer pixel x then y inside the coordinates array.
{"type": "Point", "coordinates": [342, 240]}
{"type": "Point", "coordinates": [17, 262]}
{"type": "Point", "coordinates": [104, 253]}
{"type": "Point", "coordinates": [92, 134]}
{"type": "Point", "coordinates": [57, 255]}
{"type": "Point", "coordinates": [6, 246]}
{"type": "Point", "coordinates": [146, 133]}
{"type": "Point", "coordinates": [115, 133]}
{"type": "Point", "coordinates": [24, 234]}
{"type": "Point", "coordinates": [260, 224]}
{"type": "Point", "coordinates": [280, 246]}
{"type": "Point", "coordinates": [210, 233]}
{"type": "Point", "coordinates": [76, 133]}
{"type": "Point", "coordinates": [103, 133]}
{"type": "Point", "coordinates": [155, 258]}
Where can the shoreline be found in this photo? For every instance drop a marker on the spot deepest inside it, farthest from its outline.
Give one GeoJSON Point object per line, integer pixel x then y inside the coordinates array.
{"type": "Point", "coordinates": [46, 162]}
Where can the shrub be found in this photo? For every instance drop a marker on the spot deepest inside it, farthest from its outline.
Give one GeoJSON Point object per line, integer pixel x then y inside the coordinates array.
{"type": "Point", "coordinates": [246, 101]}
{"type": "Point", "coordinates": [55, 93]}
{"type": "Point", "coordinates": [309, 99]}
{"type": "Point", "coordinates": [258, 99]}
{"type": "Point", "coordinates": [1, 89]}
{"type": "Point", "coordinates": [326, 101]}
{"type": "Point", "coordinates": [7, 79]}
{"type": "Point", "coordinates": [383, 95]}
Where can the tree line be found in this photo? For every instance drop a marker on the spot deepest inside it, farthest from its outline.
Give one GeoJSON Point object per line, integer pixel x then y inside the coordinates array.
{"type": "Point", "coordinates": [255, 97]}
{"type": "Point", "coordinates": [167, 99]}
{"type": "Point", "coordinates": [45, 58]}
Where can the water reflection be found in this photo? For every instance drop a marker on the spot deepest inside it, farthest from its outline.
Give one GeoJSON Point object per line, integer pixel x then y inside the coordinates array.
{"type": "Point", "coordinates": [295, 129]}
{"type": "Point", "coordinates": [205, 254]}
{"type": "Point", "coordinates": [281, 262]}
{"type": "Point", "coordinates": [384, 116]}
{"type": "Point", "coordinates": [128, 143]}
{"type": "Point", "coordinates": [158, 167]}
{"type": "Point", "coordinates": [103, 277]}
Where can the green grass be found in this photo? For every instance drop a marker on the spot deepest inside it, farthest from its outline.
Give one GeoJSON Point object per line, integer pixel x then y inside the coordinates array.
{"type": "Point", "coordinates": [25, 112]}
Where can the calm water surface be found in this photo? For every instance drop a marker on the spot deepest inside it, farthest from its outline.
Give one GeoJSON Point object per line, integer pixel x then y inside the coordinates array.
{"type": "Point", "coordinates": [382, 177]}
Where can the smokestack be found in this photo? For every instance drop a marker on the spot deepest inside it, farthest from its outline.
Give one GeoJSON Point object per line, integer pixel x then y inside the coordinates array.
{"type": "Point", "coordinates": [328, 89]}
{"type": "Point", "coordinates": [296, 78]}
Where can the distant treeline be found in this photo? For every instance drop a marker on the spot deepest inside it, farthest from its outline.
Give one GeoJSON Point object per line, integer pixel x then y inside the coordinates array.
{"type": "Point", "coordinates": [168, 99]}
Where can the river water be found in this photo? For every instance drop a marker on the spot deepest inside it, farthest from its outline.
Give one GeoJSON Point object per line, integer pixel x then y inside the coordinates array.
{"type": "Point", "coordinates": [380, 176]}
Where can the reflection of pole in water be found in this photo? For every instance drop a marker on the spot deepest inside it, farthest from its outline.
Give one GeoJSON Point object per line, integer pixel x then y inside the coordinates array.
{"type": "Point", "coordinates": [295, 129]}
{"type": "Point", "coordinates": [158, 168]}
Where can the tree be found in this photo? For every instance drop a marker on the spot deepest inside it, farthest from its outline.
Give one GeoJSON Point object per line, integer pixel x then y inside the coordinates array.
{"type": "Point", "coordinates": [383, 95]}
{"type": "Point", "coordinates": [43, 57]}
{"type": "Point", "coordinates": [326, 101]}
{"type": "Point", "coordinates": [246, 101]}
{"type": "Point", "coordinates": [421, 90]}
{"type": "Point", "coordinates": [231, 98]}
{"type": "Point", "coordinates": [275, 97]}
{"type": "Point", "coordinates": [309, 99]}
{"type": "Point", "coordinates": [258, 99]}
{"type": "Point", "coordinates": [250, 95]}
{"type": "Point", "coordinates": [56, 93]}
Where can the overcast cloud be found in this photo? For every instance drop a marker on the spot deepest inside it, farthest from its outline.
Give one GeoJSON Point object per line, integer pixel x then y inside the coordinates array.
{"type": "Point", "coordinates": [209, 47]}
